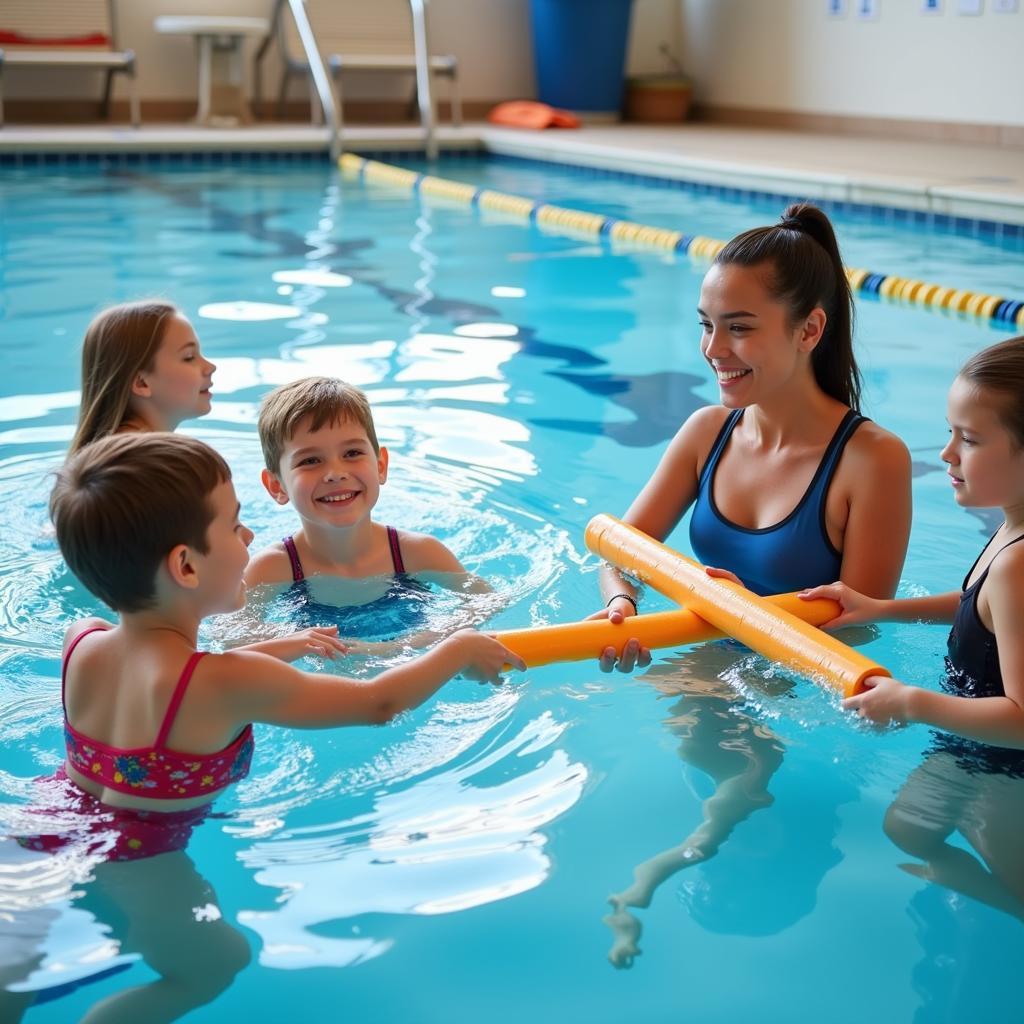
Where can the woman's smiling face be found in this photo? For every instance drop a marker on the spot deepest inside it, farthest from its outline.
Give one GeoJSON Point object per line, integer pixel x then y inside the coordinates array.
{"type": "Point", "coordinates": [747, 337]}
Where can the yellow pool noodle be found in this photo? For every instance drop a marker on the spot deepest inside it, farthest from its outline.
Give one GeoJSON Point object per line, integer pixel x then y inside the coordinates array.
{"type": "Point", "coordinates": [580, 641]}
{"type": "Point", "coordinates": [753, 620]}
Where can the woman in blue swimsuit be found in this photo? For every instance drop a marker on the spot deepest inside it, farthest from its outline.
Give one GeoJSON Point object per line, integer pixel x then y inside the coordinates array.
{"type": "Point", "coordinates": [790, 487]}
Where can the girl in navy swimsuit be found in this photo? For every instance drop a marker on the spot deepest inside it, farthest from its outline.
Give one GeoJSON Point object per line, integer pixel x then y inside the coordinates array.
{"type": "Point", "coordinates": [971, 779]}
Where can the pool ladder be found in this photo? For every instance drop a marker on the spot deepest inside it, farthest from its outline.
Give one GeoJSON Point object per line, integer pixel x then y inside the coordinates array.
{"type": "Point", "coordinates": [325, 87]}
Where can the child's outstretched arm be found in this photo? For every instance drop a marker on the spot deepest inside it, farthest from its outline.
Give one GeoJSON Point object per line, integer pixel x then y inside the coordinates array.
{"type": "Point", "coordinates": [321, 641]}
{"type": "Point", "coordinates": [257, 688]}
{"type": "Point", "coordinates": [857, 608]}
{"type": "Point", "coordinates": [995, 720]}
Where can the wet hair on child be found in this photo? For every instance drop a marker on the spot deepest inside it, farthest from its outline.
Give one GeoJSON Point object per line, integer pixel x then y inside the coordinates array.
{"type": "Point", "coordinates": [124, 502]}
{"type": "Point", "coordinates": [120, 343]}
{"type": "Point", "coordinates": [805, 271]}
{"type": "Point", "coordinates": [999, 371]}
{"type": "Point", "coordinates": [323, 400]}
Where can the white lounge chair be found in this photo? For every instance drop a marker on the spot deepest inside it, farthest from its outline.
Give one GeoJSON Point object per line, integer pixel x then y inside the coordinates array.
{"type": "Point", "coordinates": [352, 35]}
{"type": "Point", "coordinates": [76, 34]}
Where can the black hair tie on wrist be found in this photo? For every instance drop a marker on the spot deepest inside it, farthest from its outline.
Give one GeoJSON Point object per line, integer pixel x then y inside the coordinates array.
{"type": "Point", "coordinates": [631, 600]}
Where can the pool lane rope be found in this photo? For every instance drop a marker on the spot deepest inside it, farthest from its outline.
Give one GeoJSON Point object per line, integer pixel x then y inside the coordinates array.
{"type": "Point", "coordinates": [1002, 312]}
{"type": "Point", "coordinates": [782, 627]}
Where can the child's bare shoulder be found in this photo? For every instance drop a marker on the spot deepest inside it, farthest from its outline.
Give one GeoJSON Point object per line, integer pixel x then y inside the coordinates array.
{"type": "Point", "coordinates": [80, 626]}
{"type": "Point", "coordinates": [228, 673]}
{"type": "Point", "coordinates": [269, 565]}
{"type": "Point", "coordinates": [1007, 569]}
{"type": "Point", "coordinates": [423, 553]}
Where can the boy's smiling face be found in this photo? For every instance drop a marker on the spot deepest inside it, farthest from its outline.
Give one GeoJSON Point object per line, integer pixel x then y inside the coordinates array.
{"type": "Point", "coordinates": [331, 475]}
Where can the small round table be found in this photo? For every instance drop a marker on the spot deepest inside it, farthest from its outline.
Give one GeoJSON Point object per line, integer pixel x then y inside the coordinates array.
{"type": "Point", "coordinates": [221, 70]}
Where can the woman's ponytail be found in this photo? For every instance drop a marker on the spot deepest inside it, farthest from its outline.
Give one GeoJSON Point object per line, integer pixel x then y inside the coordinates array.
{"type": "Point", "coordinates": [807, 272]}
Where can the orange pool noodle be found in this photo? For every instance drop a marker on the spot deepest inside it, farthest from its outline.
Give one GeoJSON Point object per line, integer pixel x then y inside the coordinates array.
{"type": "Point", "coordinates": [753, 620]}
{"type": "Point", "coordinates": [579, 641]}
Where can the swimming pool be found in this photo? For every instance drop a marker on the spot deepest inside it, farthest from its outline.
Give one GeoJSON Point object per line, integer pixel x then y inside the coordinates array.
{"type": "Point", "coordinates": [456, 864]}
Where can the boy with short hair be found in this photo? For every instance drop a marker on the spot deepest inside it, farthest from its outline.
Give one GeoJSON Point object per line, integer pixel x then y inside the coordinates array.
{"type": "Point", "coordinates": [322, 454]}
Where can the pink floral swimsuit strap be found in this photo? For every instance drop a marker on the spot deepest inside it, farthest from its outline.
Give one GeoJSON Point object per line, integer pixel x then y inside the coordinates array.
{"type": "Point", "coordinates": [157, 771]}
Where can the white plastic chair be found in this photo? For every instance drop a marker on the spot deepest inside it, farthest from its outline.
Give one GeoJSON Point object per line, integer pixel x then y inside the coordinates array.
{"type": "Point", "coordinates": [74, 34]}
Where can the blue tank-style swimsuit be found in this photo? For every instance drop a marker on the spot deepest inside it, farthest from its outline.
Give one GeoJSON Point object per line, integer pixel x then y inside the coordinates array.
{"type": "Point", "coordinates": [972, 670]}
{"type": "Point", "coordinates": [400, 609]}
{"type": "Point", "coordinates": [791, 555]}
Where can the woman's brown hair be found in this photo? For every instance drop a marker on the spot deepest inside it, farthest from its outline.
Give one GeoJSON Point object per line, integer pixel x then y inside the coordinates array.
{"type": "Point", "coordinates": [806, 272]}
{"type": "Point", "coordinates": [119, 344]}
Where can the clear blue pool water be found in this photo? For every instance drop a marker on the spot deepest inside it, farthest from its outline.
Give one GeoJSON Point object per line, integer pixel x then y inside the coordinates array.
{"type": "Point", "coordinates": [456, 864]}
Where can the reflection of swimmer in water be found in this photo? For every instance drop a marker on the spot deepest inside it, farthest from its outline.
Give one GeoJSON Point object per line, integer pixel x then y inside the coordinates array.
{"type": "Point", "coordinates": [740, 756]}
{"type": "Point", "coordinates": [962, 791]}
{"type": "Point", "coordinates": [159, 908]}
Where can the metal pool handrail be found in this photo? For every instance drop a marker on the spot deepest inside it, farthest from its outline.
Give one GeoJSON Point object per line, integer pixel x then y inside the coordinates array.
{"type": "Point", "coordinates": [321, 79]}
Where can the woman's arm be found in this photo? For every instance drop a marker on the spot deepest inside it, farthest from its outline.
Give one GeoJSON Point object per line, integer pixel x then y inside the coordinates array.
{"type": "Point", "coordinates": [666, 496]}
{"type": "Point", "coordinates": [878, 522]}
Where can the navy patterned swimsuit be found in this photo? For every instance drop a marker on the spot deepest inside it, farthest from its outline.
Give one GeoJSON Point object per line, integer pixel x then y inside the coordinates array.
{"type": "Point", "coordinates": [401, 608]}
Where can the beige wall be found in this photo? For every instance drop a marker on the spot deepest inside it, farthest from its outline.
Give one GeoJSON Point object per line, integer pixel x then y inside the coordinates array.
{"type": "Point", "coordinates": [491, 38]}
{"type": "Point", "coordinates": [788, 55]}
{"type": "Point", "coordinates": [757, 54]}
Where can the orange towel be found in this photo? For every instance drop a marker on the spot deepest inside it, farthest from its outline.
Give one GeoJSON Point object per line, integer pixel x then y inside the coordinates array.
{"type": "Point", "coordinates": [531, 114]}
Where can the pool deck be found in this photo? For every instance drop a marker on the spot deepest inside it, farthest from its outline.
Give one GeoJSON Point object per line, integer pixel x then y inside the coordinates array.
{"type": "Point", "coordinates": [967, 180]}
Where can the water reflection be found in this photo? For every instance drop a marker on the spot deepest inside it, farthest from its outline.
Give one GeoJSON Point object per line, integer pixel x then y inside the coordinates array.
{"type": "Point", "coordinates": [747, 877]}
{"type": "Point", "coordinates": [313, 277]}
{"type": "Point", "coordinates": [469, 835]}
{"type": "Point", "coordinates": [244, 312]}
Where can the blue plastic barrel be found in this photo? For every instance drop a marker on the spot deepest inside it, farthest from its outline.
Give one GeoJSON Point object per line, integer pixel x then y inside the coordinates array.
{"type": "Point", "coordinates": [579, 48]}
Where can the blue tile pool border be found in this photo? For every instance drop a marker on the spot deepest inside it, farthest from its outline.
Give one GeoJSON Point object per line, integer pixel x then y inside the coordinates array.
{"type": "Point", "coordinates": [970, 227]}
